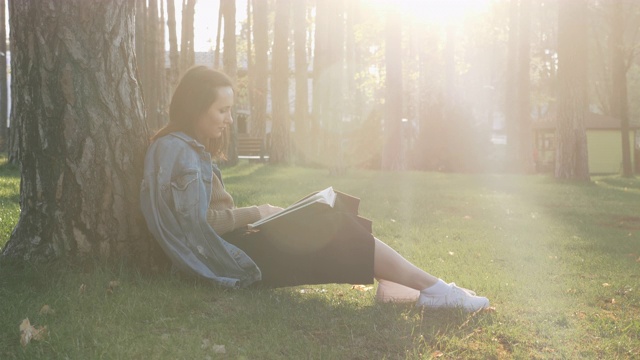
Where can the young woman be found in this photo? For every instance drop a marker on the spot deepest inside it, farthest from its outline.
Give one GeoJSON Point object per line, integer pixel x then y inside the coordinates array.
{"type": "Point", "coordinates": [196, 222]}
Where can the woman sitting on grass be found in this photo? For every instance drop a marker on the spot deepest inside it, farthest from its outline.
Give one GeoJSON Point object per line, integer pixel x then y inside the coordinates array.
{"type": "Point", "coordinates": [195, 221]}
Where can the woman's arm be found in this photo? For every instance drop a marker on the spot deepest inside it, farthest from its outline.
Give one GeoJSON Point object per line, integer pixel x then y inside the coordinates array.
{"type": "Point", "coordinates": [226, 220]}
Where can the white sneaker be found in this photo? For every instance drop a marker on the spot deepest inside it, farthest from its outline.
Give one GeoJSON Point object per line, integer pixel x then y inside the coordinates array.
{"type": "Point", "coordinates": [455, 297]}
{"type": "Point", "coordinates": [468, 291]}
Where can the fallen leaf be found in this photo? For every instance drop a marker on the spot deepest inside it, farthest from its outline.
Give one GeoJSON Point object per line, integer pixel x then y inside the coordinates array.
{"type": "Point", "coordinates": [114, 284]}
{"type": "Point", "coordinates": [451, 253]}
{"type": "Point", "coordinates": [437, 354]}
{"type": "Point", "coordinates": [205, 344]}
{"type": "Point", "coordinates": [28, 332]}
{"type": "Point", "coordinates": [83, 288]}
{"type": "Point", "coordinates": [490, 309]}
{"type": "Point", "coordinates": [46, 310]}
{"type": "Point", "coordinates": [606, 285]}
{"type": "Point", "coordinates": [467, 217]}
{"type": "Point", "coordinates": [610, 301]}
{"type": "Point", "coordinates": [361, 287]}
{"type": "Point", "coordinates": [218, 349]}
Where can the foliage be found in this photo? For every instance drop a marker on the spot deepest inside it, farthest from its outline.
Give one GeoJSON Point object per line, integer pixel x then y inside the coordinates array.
{"type": "Point", "coordinates": [9, 198]}
{"type": "Point", "coordinates": [559, 262]}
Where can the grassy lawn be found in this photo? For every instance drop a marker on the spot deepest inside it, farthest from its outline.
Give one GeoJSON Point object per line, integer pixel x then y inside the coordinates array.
{"type": "Point", "coordinates": [560, 263]}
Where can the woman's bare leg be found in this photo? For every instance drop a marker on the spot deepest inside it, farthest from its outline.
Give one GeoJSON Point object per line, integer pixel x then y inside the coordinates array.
{"type": "Point", "coordinates": [391, 266]}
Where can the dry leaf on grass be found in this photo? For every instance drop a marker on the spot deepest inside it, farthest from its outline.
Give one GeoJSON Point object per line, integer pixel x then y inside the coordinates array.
{"type": "Point", "coordinates": [606, 284]}
{"type": "Point", "coordinates": [46, 310]}
{"type": "Point", "coordinates": [83, 288]}
{"type": "Point", "coordinates": [112, 286]}
{"type": "Point", "coordinates": [28, 332]}
{"type": "Point", "coordinates": [218, 349]}
{"type": "Point", "coordinates": [361, 287]}
{"type": "Point", "coordinates": [437, 354]}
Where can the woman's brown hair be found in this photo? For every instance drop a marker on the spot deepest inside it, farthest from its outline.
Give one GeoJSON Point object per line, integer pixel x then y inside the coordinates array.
{"type": "Point", "coordinates": [195, 93]}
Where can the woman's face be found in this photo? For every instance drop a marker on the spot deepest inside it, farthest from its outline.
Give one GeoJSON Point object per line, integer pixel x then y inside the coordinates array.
{"type": "Point", "coordinates": [212, 123]}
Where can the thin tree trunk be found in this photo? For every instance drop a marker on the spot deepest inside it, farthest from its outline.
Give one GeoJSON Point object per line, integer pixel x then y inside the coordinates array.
{"type": "Point", "coordinates": [619, 99]}
{"type": "Point", "coordinates": [4, 116]}
{"type": "Point", "coordinates": [261, 73]}
{"type": "Point", "coordinates": [187, 52]}
{"type": "Point", "coordinates": [216, 57]}
{"type": "Point", "coordinates": [511, 90]}
{"type": "Point", "coordinates": [524, 85]}
{"type": "Point", "coordinates": [150, 66]}
{"type": "Point", "coordinates": [230, 66]}
{"type": "Point", "coordinates": [161, 89]}
{"type": "Point", "coordinates": [302, 78]}
{"type": "Point", "coordinates": [250, 76]}
{"type": "Point", "coordinates": [280, 133]}
{"type": "Point", "coordinates": [571, 139]}
{"type": "Point", "coordinates": [391, 156]}
{"type": "Point", "coordinates": [80, 123]}
{"type": "Point", "coordinates": [174, 57]}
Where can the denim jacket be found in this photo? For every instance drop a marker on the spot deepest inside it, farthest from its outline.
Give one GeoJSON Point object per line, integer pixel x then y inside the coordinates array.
{"type": "Point", "coordinates": [174, 197]}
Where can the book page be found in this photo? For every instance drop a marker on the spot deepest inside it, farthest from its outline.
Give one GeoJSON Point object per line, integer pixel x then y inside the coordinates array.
{"type": "Point", "coordinates": [326, 196]}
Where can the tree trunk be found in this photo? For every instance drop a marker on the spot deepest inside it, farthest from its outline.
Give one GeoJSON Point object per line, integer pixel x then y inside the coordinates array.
{"type": "Point", "coordinates": [250, 77]}
{"type": "Point", "coordinates": [4, 117]}
{"type": "Point", "coordinates": [525, 156]}
{"type": "Point", "coordinates": [187, 52]}
{"type": "Point", "coordinates": [150, 66]}
{"type": "Point", "coordinates": [571, 139]}
{"type": "Point", "coordinates": [619, 100]}
{"type": "Point", "coordinates": [230, 66]}
{"type": "Point", "coordinates": [161, 90]}
{"type": "Point", "coordinates": [216, 56]}
{"type": "Point", "coordinates": [391, 155]}
{"type": "Point", "coordinates": [174, 56]}
{"type": "Point", "coordinates": [261, 69]}
{"type": "Point", "coordinates": [302, 78]}
{"type": "Point", "coordinates": [81, 131]}
{"type": "Point", "coordinates": [280, 133]}
{"type": "Point", "coordinates": [511, 89]}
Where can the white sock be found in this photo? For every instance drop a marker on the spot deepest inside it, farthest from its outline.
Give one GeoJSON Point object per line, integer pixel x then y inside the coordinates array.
{"type": "Point", "coordinates": [439, 288]}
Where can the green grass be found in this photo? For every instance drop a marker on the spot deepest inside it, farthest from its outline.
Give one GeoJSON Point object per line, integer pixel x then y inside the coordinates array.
{"type": "Point", "coordinates": [550, 256]}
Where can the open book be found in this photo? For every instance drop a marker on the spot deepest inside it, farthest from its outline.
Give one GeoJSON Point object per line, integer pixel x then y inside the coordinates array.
{"type": "Point", "coordinates": [326, 196]}
{"type": "Point", "coordinates": [303, 216]}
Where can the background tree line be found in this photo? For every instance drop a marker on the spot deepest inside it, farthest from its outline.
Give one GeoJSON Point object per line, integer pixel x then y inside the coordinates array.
{"type": "Point", "coordinates": [329, 83]}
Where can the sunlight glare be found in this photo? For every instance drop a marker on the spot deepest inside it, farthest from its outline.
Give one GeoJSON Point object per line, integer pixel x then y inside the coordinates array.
{"type": "Point", "coordinates": [438, 12]}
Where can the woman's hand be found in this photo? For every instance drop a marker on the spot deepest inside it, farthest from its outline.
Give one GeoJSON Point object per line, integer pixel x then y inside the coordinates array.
{"type": "Point", "coordinates": [266, 210]}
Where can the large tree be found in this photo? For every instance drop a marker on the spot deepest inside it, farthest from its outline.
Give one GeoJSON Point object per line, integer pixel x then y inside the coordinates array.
{"type": "Point", "coordinates": [80, 121]}
{"type": "Point", "coordinates": [571, 139]}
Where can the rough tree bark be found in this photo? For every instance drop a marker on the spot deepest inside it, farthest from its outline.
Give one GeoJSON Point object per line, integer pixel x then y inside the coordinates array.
{"type": "Point", "coordinates": [280, 133]}
{"type": "Point", "coordinates": [571, 138]}
{"type": "Point", "coordinates": [81, 131]}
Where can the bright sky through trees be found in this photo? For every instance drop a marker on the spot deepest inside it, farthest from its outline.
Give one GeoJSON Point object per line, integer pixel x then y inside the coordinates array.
{"type": "Point", "coordinates": [437, 12]}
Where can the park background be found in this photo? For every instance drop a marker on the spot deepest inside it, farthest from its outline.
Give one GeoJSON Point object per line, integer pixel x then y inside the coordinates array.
{"type": "Point", "coordinates": [493, 142]}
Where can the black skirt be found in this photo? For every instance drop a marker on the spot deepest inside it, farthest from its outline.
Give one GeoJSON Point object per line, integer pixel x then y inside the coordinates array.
{"type": "Point", "coordinates": [335, 247]}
